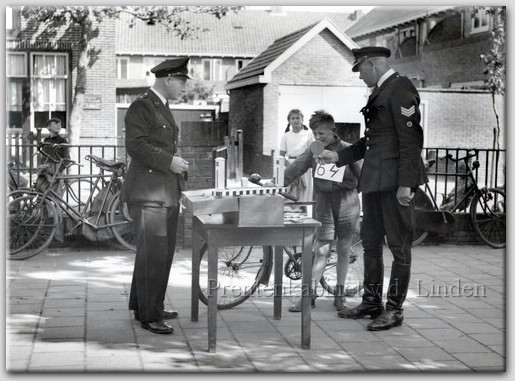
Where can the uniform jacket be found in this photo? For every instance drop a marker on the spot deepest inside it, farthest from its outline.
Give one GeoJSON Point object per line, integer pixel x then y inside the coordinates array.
{"type": "Point", "coordinates": [392, 145]}
{"type": "Point", "coordinates": [151, 140]}
{"type": "Point", "coordinates": [306, 161]}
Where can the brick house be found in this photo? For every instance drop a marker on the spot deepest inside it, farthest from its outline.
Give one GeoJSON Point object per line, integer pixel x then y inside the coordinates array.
{"type": "Point", "coordinates": [438, 48]}
{"type": "Point", "coordinates": [41, 75]}
{"type": "Point", "coordinates": [217, 53]}
{"type": "Point", "coordinates": [309, 69]}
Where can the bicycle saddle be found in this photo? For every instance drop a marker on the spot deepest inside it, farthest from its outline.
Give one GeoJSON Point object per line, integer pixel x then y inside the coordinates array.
{"type": "Point", "coordinates": [106, 164]}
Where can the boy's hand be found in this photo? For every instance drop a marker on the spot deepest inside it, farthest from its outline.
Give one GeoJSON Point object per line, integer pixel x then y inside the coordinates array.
{"type": "Point", "coordinates": [327, 157]}
{"type": "Point", "coordinates": [269, 184]}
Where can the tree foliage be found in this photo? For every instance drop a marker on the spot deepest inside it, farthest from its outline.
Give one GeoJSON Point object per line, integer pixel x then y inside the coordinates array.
{"type": "Point", "coordinates": [495, 60]}
{"type": "Point", "coordinates": [87, 20]}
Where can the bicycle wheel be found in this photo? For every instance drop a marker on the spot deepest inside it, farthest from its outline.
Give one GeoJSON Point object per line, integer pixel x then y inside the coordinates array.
{"type": "Point", "coordinates": [354, 274]}
{"type": "Point", "coordinates": [17, 193]}
{"type": "Point", "coordinates": [240, 271]}
{"type": "Point", "coordinates": [118, 214]}
{"type": "Point", "coordinates": [77, 191]}
{"type": "Point", "coordinates": [421, 202]}
{"type": "Point", "coordinates": [488, 214]}
{"type": "Point", "coordinates": [32, 225]}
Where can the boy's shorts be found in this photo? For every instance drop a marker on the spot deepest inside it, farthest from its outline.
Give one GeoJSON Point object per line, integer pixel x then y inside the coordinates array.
{"type": "Point", "coordinates": [339, 214]}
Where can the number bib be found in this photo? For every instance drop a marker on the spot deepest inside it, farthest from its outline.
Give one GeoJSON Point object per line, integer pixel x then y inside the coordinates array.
{"type": "Point", "coordinates": [330, 172]}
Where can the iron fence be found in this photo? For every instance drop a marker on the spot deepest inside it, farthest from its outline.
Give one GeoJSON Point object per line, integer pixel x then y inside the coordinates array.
{"type": "Point", "coordinates": [23, 160]}
{"type": "Point", "coordinates": [444, 173]}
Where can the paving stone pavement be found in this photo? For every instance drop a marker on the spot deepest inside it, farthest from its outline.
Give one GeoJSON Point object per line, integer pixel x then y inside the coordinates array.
{"type": "Point", "coordinates": [66, 311]}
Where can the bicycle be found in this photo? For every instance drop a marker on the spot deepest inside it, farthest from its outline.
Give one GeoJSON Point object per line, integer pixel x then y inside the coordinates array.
{"type": "Point", "coordinates": [35, 215]}
{"type": "Point", "coordinates": [74, 190]}
{"type": "Point", "coordinates": [242, 269]}
{"type": "Point", "coordinates": [487, 208]}
{"type": "Point", "coordinates": [15, 180]}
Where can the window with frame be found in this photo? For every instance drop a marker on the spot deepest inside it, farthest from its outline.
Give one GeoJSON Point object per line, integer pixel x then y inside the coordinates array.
{"type": "Point", "coordinates": [480, 22]}
{"type": "Point", "coordinates": [49, 87]}
{"type": "Point", "coordinates": [212, 70]}
{"type": "Point", "coordinates": [122, 68]}
{"type": "Point", "coordinates": [240, 64]}
{"type": "Point", "coordinates": [16, 70]}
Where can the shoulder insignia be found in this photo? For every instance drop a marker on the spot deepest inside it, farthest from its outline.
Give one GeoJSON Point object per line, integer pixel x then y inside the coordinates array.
{"type": "Point", "coordinates": [407, 112]}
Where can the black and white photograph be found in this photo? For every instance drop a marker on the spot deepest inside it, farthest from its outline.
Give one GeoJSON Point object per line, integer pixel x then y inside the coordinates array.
{"type": "Point", "coordinates": [271, 189]}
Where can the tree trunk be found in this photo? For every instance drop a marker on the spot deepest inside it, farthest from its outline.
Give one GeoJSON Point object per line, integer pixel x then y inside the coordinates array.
{"type": "Point", "coordinates": [496, 143]}
{"type": "Point", "coordinates": [81, 83]}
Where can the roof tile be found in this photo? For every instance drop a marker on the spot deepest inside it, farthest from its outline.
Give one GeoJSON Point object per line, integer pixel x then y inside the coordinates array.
{"type": "Point", "coordinates": [243, 34]}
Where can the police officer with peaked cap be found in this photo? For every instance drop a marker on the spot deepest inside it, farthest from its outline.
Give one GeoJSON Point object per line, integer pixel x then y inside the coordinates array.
{"type": "Point", "coordinates": [152, 190]}
{"type": "Point", "coordinates": [392, 171]}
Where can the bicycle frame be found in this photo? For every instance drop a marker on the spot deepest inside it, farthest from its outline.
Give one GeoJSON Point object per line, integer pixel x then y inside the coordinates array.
{"type": "Point", "coordinates": [474, 188]}
{"type": "Point", "coordinates": [81, 217]}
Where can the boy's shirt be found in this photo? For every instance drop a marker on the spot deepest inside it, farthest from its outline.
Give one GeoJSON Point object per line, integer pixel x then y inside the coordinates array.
{"type": "Point", "coordinates": [321, 184]}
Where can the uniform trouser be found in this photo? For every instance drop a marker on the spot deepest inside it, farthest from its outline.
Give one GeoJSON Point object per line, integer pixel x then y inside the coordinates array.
{"type": "Point", "coordinates": [155, 230]}
{"type": "Point", "coordinates": [384, 216]}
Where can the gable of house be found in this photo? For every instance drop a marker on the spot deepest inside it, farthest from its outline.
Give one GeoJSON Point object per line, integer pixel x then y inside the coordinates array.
{"type": "Point", "coordinates": [260, 69]}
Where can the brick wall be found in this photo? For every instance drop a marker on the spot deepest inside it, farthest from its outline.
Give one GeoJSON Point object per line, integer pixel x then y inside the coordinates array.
{"type": "Point", "coordinates": [323, 61]}
{"type": "Point", "coordinates": [462, 234]}
{"type": "Point", "coordinates": [463, 119]}
{"type": "Point", "coordinates": [99, 120]}
{"type": "Point", "coordinates": [447, 62]}
{"type": "Point", "coordinates": [98, 123]}
{"type": "Point", "coordinates": [196, 146]}
{"type": "Point", "coordinates": [443, 62]}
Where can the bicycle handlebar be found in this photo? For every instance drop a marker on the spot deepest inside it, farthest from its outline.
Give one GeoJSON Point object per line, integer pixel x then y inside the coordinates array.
{"type": "Point", "coordinates": [61, 159]}
{"type": "Point", "coordinates": [466, 157]}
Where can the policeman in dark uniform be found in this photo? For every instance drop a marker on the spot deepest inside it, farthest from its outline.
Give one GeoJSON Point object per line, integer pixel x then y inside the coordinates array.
{"type": "Point", "coordinates": [152, 190]}
{"type": "Point", "coordinates": [392, 171]}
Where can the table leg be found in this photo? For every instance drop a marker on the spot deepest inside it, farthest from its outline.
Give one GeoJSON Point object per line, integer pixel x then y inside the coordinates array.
{"type": "Point", "coordinates": [212, 296]}
{"type": "Point", "coordinates": [195, 275]}
{"type": "Point", "coordinates": [307, 292]}
{"type": "Point", "coordinates": [278, 281]}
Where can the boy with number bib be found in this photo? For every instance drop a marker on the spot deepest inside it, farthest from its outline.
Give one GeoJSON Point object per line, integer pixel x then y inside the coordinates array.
{"type": "Point", "coordinates": [337, 204]}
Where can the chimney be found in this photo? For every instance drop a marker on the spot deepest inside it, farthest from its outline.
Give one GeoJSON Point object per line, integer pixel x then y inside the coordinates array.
{"type": "Point", "coordinates": [356, 15]}
{"type": "Point", "coordinates": [277, 10]}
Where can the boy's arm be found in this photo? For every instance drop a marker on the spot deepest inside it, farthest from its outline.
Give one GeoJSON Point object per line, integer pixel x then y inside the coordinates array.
{"type": "Point", "coordinates": [298, 167]}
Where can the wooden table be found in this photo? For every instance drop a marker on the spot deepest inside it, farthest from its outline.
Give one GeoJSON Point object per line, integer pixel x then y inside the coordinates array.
{"type": "Point", "coordinates": [217, 232]}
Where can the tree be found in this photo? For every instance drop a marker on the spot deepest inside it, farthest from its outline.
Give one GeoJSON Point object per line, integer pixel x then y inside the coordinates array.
{"type": "Point", "coordinates": [495, 61]}
{"type": "Point", "coordinates": [87, 20]}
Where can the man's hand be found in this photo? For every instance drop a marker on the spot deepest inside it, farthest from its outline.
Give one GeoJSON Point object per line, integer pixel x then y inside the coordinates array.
{"type": "Point", "coordinates": [178, 165]}
{"type": "Point", "coordinates": [327, 157]}
{"type": "Point", "coordinates": [404, 195]}
{"type": "Point", "coordinates": [269, 184]}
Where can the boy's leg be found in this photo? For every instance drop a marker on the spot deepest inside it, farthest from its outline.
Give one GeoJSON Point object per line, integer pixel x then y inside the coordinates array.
{"type": "Point", "coordinates": [321, 250]}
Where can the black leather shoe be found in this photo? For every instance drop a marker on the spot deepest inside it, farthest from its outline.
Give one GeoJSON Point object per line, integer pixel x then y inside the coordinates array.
{"type": "Point", "coordinates": [158, 327]}
{"type": "Point", "coordinates": [361, 311]}
{"type": "Point", "coordinates": [167, 315]}
{"type": "Point", "coordinates": [387, 320]}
